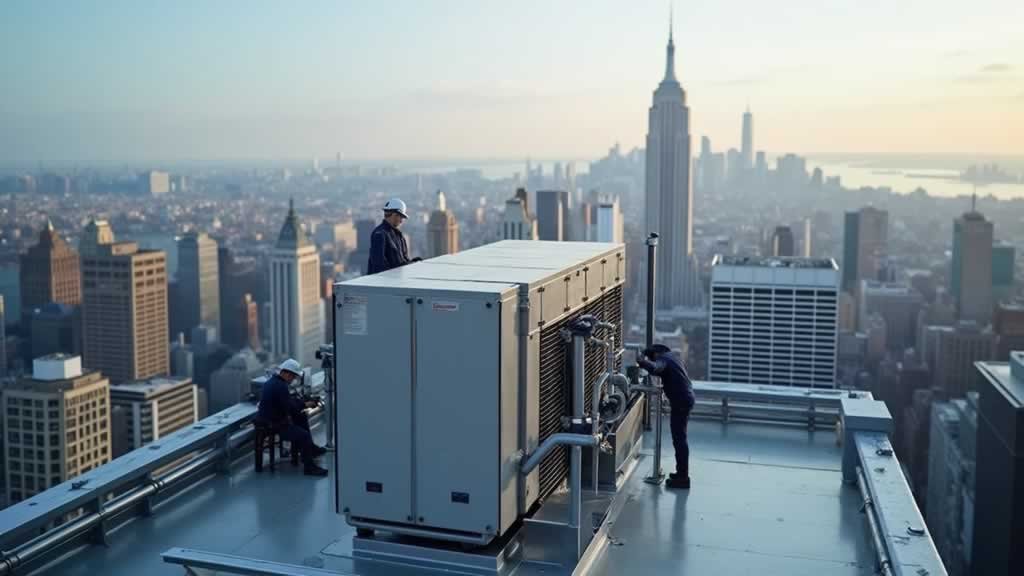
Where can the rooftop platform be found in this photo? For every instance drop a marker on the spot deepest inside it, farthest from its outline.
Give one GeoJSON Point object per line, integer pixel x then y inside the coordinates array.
{"type": "Point", "coordinates": [766, 499]}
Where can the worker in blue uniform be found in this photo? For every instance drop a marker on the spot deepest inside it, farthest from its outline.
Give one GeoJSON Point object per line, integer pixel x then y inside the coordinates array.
{"type": "Point", "coordinates": [284, 414]}
{"type": "Point", "coordinates": [660, 361]}
{"type": "Point", "coordinates": [388, 248]}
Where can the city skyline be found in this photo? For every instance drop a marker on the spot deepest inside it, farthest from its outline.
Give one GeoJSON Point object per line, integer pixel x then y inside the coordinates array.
{"type": "Point", "coordinates": [218, 89]}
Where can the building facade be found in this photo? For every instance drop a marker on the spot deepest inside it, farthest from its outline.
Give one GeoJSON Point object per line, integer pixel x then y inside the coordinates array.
{"type": "Point", "coordinates": [146, 410]}
{"type": "Point", "coordinates": [774, 321]}
{"type": "Point", "coordinates": [442, 230]}
{"type": "Point", "coordinates": [56, 425]}
{"type": "Point", "coordinates": [865, 241]}
{"type": "Point", "coordinates": [899, 305]}
{"type": "Point", "coordinates": [296, 310]}
{"type": "Point", "coordinates": [198, 282]}
{"type": "Point", "coordinates": [959, 347]}
{"type": "Point", "coordinates": [971, 274]}
{"type": "Point", "coordinates": [518, 223]}
{"type": "Point", "coordinates": [49, 273]}
{"type": "Point", "coordinates": [669, 196]}
{"type": "Point", "coordinates": [124, 312]}
{"type": "Point", "coordinates": [553, 215]}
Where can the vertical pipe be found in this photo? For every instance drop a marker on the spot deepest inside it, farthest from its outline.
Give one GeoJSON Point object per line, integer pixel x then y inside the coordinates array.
{"type": "Point", "coordinates": [652, 246]}
{"type": "Point", "coordinates": [579, 399]}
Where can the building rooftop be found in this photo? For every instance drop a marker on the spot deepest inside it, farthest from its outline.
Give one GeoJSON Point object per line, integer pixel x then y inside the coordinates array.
{"type": "Point", "coordinates": [765, 499]}
{"type": "Point", "coordinates": [774, 262]}
{"type": "Point", "coordinates": [150, 386]}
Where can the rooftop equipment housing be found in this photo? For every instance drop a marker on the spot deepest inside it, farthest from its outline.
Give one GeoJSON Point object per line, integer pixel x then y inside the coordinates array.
{"type": "Point", "coordinates": [450, 370]}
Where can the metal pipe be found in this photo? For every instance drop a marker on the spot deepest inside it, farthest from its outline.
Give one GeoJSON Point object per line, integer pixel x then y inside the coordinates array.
{"type": "Point", "coordinates": [652, 246]}
{"type": "Point", "coordinates": [549, 444]}
{"type": "Point", "coordinates": [884, 562]}
{"type": "Point", "coordinates": [595, 409]}
{"type": "Point", "coordinates": [579, 401]}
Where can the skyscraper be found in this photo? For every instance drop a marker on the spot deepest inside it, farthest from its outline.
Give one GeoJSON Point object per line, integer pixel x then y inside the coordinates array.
{"type": "Point", "coordinates": [49, 273]}
{"type": "Point", "coordinates": [198, 282]}
{"type": "Point", "coordinates": [295, 305]}
{"type": "Point", "coordinates": [668, 193]}
{"type": "Point", "coordinates": [747, 149]}
{"type": "Point", "coordinates": [56, 425]}
{"type": "Point", "coordinates": [774, 321]}
{"type": "Point", "coordinates": [97, 233]}
{"type": "Point", "coordinates": [552, 215]}
{"type": "Point", "coordinates": [782, 242]}
{"type": "Point", "coordinates": [959, 347]}
{"type": "Point", "coordinates": [971, 274]}
{"type": "Point", "coordinates": [607, 221]}
{"type": "Point", "coordinates": [442, 230]}
{"type": "Point", "coordinates": [146, 410]}
{"type": "Point", "coordinates": [124, 312]}
{"type": "Point", "coordinates": [518, 223]}
{"type": "Point", "coordinates": [865, 237]}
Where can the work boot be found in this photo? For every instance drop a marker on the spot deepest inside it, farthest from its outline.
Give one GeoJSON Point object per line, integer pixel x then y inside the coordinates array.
{"type": "Point", "coordinates": [319, 451]}
{"type": "Point", "coordinates": [314, 470]}
{"type": "Point", "coordinates": [678, 482]}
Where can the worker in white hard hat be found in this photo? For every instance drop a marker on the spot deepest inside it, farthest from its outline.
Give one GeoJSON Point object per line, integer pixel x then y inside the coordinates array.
{"type": "Point", "coordinates": [284, 414]}
{"type": "Point", "coordinates": [388, 248]}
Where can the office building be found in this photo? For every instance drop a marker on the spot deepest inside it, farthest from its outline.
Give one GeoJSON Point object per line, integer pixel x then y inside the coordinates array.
{"type": "Point", "coordinates": [747, 147]}
{"type": "Point", "coordinates": [229, 385]}
{"type": "Point", "coordinates": [802, 237]}
{"type": "Point", "coordinates": [899, 305]}
{"type": "Point", "coordinates": [774, 321]}
{"type": "Point", "coordinates": [669, 197]}
{"type": "Point", "coordinates": [49, 273]}
{"type": "Point", "coordinates": [971, 275]}
{"type": "Point", "coordinates": [606, 221]}
{"type": "Point", "coordinates": [1003, 271]}
{"type": "Point", "coordinates": [147, 410]}
{"type": "Point", "coordinates": [959, 347]}
{"type": "Point", "coordinates": [124, 312]}
{"type": "Point", "coordinates": [442, 230]}
{"type": "Point", "coordinates": [865, 240]}
{"type": "Point", "coordinates": [518, 223]}
{"type": "Point", "coordinates": [182, 359]}
{"type": "Point", "coordinates": [1008, 325]}
{"type": "Point", "coordinates": [96, 233]}
{"type": "Point", "coordinates": [360, 257]}
{"type": "Point", "coordinates": [3, 339]}
{"type": "Point", "coordinates": [782, 242]}
{"type": "Point", "coordinates": [198, 282]}
{"type": "Point", "coordinates": [553, 215]}
{"type": "Point", "coordinates": [951, 488]}
{"type": "Point", "coordinates": [56, 425]}
{"type": "Point", "coordinates": [998, 540]}
{"type": "Point", "coordinates": [56, 328]}
{"type": "Point", "coordinates": [154, 183]}
{"type": "Point", "coordinates": [295, 306]}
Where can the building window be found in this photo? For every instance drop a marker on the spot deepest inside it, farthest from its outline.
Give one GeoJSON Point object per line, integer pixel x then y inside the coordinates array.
{"type": "Point", "coordinates": [55, 454]}
{"type": "Point", "coordinates": [13, 437]}
{"type": "Point", "coordinates": [54, 481]}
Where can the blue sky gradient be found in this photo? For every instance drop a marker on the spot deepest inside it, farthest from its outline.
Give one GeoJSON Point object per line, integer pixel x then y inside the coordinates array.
{"type": "Point", "coordinates": [128, 80]}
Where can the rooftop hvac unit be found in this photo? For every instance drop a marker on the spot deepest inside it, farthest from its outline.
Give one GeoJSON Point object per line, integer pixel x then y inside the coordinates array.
{"type": "Point", "coordinates": [450, 370]}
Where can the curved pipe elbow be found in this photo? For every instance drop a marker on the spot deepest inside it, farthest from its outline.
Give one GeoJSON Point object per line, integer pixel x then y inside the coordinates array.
{"type": "Point", "coordinates": [549, 444]}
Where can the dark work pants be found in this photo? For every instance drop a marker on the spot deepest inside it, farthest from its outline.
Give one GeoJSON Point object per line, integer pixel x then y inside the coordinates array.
{"type": "Point", "coordinates": [297, 432]}
{"type": "Point", "coordinates": [678, 419]}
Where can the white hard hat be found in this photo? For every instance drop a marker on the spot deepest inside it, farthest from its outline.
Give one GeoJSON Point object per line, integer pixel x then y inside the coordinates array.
{"type": "Point", "coordinates": [290, 365]}
{"type": "Point", "coordinates": [397, 205]}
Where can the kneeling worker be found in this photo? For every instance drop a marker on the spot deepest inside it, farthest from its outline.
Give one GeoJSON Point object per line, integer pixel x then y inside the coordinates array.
{"type": "Point", "coordinates": [284, 414]}
{"type": "Point", "coordinates": [660, 361]}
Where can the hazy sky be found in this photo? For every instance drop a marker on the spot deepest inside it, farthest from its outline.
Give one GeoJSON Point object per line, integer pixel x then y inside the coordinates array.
{"type": "Point", "coordinates": [135, 79]}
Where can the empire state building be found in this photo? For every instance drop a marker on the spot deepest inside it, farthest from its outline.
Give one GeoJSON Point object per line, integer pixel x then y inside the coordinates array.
{"type": "Point", "coordinates": [669, 196]}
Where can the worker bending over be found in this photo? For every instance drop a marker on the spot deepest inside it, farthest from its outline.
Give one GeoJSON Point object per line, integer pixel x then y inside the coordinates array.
{"type": "Point", "coordinates": [284, 414]}
{"type": "Point", "coordinates": [660, 361]}
{"type": "Point", "coordinates": [388, 248]}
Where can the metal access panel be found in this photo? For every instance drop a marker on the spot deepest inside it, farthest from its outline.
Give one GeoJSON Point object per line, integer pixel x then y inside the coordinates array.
{"type": "Point", "coordinates": [374, 355]}
{"type": "Point", "coordinates": [464, 362]}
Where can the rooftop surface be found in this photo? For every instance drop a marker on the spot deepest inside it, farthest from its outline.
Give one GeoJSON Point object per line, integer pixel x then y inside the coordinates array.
{"type": "Point", "coordinates": [774, 262]}
{"type": "Point", "coordinates": [766, 500]}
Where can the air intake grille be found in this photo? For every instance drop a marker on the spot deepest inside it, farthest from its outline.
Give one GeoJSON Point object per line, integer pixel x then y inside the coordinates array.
{"type": "Point", "coordinates": [556, 380]}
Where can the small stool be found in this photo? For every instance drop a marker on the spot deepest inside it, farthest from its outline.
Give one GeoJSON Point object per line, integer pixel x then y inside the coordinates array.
{"type": "Point", "coordinates": [266, 437]}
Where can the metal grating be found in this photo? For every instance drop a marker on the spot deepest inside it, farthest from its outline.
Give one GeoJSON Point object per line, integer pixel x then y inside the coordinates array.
{"type": "Point", "coordinates": [556, 380]}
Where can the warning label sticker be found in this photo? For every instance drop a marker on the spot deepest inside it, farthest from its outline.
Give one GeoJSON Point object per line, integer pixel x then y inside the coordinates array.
{"type": "Point", "coordinates": [439, 306]}
{"type": "Point", "coordinates": [353, 316]}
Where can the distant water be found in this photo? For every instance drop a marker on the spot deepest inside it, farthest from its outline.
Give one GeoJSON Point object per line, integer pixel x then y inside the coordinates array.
{"type": "Point", "coordinates": [937, 180]}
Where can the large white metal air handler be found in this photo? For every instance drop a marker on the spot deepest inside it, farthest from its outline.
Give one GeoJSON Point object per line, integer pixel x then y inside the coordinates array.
{"type": "Point", "coordinates": [451, 371]}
